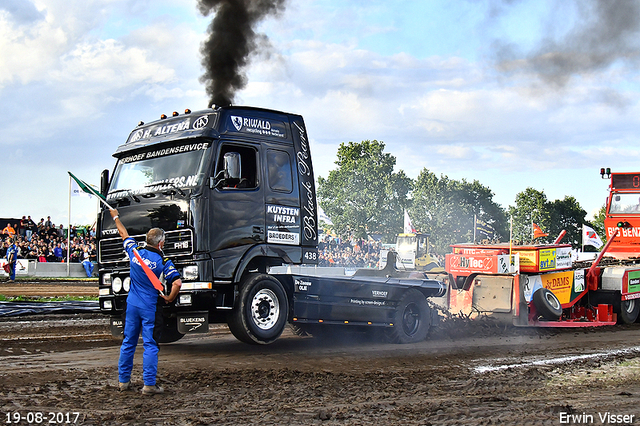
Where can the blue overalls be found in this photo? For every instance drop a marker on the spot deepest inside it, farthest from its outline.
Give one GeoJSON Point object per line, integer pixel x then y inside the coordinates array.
{"type": "Point", "coordinates": [12, 258]}
{"type": "Point", "coordinates": [143, 312]}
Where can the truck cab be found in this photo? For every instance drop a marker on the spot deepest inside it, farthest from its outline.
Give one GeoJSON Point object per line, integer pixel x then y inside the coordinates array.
{"type": "Point", "coordinates": [233, 188]}
{"type": "Point", "coordinates": [413, 253]}
{"type": "Point", "coordinates": [623, 214]}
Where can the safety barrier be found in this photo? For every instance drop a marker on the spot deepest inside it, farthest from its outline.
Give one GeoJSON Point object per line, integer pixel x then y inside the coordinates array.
{"type": "Point", "coordinates": [31, 268]}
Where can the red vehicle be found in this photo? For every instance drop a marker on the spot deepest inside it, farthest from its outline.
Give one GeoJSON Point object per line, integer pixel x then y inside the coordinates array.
{"type": "Point", "coordinates": [541, 285]}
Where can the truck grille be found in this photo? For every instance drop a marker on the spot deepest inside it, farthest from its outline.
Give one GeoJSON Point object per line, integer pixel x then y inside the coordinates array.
{"type": "Point", "coordinates": [177, 243]}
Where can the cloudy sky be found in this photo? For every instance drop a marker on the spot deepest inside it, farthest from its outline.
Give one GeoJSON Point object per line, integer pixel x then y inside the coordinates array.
{"type": "Point", "coordinates": [515, 94]}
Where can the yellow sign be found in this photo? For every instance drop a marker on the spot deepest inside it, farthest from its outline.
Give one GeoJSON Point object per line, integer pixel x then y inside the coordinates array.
{"type": "Point", "coordinates": [528, 260]}
{"type": "Point", "coordinates": [560, 283]}
{"type": "Point", "coordinates": [547, 259]}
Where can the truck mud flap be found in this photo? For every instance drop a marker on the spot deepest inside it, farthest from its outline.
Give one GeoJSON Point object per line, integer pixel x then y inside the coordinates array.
{"type": "Point", "coordinates": [117, 326]}
{"type": "Point", "coordinates": [193, 322]}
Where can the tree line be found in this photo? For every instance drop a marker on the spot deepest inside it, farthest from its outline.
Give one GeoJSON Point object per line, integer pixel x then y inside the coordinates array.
{"type": "Point", "coordinates": [363, 196]}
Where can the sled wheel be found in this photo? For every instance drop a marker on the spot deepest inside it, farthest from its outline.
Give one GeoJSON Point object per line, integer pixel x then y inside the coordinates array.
{"type": "Point", "coordinates": [629, 310]}
{"type": "Point", "coordinates": [547, 304]}
{"type": "Point", "coordinates": [261, 310]}
{"type": "Point", "coordinates": [411, 319]}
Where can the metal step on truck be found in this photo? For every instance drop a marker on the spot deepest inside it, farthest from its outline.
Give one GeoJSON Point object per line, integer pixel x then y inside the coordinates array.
{"type": "Point", "coordinates": [234, 190]}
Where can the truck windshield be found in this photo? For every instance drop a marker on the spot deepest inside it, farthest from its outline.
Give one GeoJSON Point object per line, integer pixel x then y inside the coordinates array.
{"type": "Point", "coordinates": [625, 203]}
{"type": "Point", "coordinates": [405, 244]}
{"type": "Point", "coordinates": [179, 166]}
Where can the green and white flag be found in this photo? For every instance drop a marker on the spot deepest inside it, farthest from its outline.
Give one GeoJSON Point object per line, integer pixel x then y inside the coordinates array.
{"type": "Point", "coordinates": [76, 191]}
{"type": "Point", "coordinates": [78, 187]}
{"type": "Point", "coordinates": [84, 186]}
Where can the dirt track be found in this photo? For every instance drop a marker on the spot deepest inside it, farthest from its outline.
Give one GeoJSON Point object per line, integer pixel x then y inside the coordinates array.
{"type": "Point", "coordinates": [465, 374]}
{"type": "Point", "coordinates": [49, 288]}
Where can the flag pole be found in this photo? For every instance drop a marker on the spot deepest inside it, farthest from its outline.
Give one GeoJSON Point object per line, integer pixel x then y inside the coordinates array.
{"type": "Point", "coordinates": [69, 230]}
{"type": "Point", "coordinates": [510, 234]}
{"type": "Point", "coordinates": [474, 228]}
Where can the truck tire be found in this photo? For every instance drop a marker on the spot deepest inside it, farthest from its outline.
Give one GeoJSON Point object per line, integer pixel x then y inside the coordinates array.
{"type": "Point", "coordinates": [169, 332]}
{"type": "Point", "coordinates": [411, 319]}
{"type": "Point", "coordinates": [629, 310]}
{"type": "Point", "coordinates": [547, 304]}
{"type": "Point", "coordinates": [261, 311]}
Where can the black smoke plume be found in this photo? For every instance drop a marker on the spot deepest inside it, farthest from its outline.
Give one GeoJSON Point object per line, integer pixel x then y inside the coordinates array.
{"type": "Point", "coordinates": [232, 40]}
{"type": "Point", "coordinates": [606, 32]}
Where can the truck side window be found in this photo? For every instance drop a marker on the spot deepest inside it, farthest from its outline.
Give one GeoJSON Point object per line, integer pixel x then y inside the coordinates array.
{"type": "Point", "coordinates": [279, 166]}
{"type": "Point", "coordinates": [248, 168]}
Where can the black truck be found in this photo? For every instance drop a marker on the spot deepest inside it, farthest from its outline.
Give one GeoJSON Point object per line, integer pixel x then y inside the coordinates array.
{"type": "Point", "coordinates": [233, 188]}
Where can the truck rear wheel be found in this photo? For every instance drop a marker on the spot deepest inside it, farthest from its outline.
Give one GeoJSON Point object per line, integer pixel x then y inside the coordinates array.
{"type": "Point", "coordinates": [260, 314]}
{"type": "Point", "coordinates": [411, 319]}
{"type": "Point", "coordinates": [629, 310]}
{"type": "Point", "coordinates": [547, 304]}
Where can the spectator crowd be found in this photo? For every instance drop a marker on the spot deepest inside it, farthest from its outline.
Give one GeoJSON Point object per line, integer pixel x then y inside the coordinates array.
{"type": "Point", "coordinates": [348, 253]}
{"type": "Point", "coordinates": [46, 242]}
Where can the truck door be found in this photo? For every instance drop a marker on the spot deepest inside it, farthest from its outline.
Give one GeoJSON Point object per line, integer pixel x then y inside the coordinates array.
{"type": "Point", "coordinates": [281, 195]}
{"type": "Point", "coordinates": [236, 211]}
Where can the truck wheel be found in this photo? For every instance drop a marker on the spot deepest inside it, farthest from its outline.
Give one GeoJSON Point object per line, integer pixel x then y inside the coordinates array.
{"type": "Point", "coordinates": [629, 310]}
{"type": "Point", "coordinates": [411, 319]}
{"type": "Point", "coordinates": [169, 332]}
{"type": "Point", "coordinates": [260, 314]}
{"type": "Point", "coordinates": [547, 304]}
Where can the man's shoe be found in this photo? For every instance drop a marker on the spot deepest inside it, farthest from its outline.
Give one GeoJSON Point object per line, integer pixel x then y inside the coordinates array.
{"type": "Point", "coordinates": [152, 390]}
{"type": "Point", "coordinates": [124, 386]}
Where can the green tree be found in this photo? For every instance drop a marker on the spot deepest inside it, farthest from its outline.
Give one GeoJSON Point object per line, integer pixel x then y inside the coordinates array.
{"type": "Point", "coordinates": [598, 223]}
{"type": "Point", "coordinates": [531, 207]}
{"type": "Point", "coordinates": [480, 200]}
{"type": "Point", "coordinates": [566, 214]}
{"type": "Point", "coordinates": [364, 195]}
{"type": "Point", "coordinates": [445, 208]}
{"type": "Point", "coordinates": [551, 216]}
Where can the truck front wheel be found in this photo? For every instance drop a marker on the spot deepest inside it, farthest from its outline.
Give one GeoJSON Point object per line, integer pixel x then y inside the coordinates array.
{"type": "Point", "coordinates": [260, 314]}
{"type": "Point", "coordinates": [411, 319]}
{"type": "Point", "coordinates": [169, 332]}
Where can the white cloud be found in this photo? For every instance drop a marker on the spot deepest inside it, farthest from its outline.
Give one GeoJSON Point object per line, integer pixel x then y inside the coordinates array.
{"type": "Point", "coordinates": [81, 74]}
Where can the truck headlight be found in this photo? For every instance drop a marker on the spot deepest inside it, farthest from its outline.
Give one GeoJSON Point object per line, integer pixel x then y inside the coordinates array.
{"type": "Point", "coordinates": [116, 285]}
{"type": "Point", "coordinates": [184, 299]}
{"type": "Point", "coordinates": [104, 292]}
{"type": "Point", "coordinates": [106, 279]}
{"type": "Point", "coordinates": [126, 284]}
{"type": "Point", "coordinates": [190, 272]}
{"type": "Point", "coordinates": [107, 305]}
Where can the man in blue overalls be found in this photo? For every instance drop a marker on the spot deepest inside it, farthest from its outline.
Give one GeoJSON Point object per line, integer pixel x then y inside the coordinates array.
{"type": "Point", "coordinates": [143, 306]}
{"type": "Point", "coordinates": [12, 258]}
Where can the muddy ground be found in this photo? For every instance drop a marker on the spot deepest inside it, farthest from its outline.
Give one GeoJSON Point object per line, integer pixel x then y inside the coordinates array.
{"type": "Point", "coordinates": [467, 373]}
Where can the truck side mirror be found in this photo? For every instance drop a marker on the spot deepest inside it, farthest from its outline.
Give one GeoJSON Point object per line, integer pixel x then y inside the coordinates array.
{"type": "Point", "coordinates": [232, 169]}
{"type": "Point", "coordinates": [104, 182]}
{"type": "Point", "coordinates": [230, 173]}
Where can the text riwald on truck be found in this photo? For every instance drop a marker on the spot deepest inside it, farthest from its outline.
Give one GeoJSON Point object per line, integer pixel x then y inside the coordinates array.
{"type": "Point", "coordinates": [233, 188]}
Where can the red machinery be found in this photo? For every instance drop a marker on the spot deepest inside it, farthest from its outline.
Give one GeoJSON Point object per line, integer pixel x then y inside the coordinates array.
{"type": "Point", "coordinates": [541, 285]}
